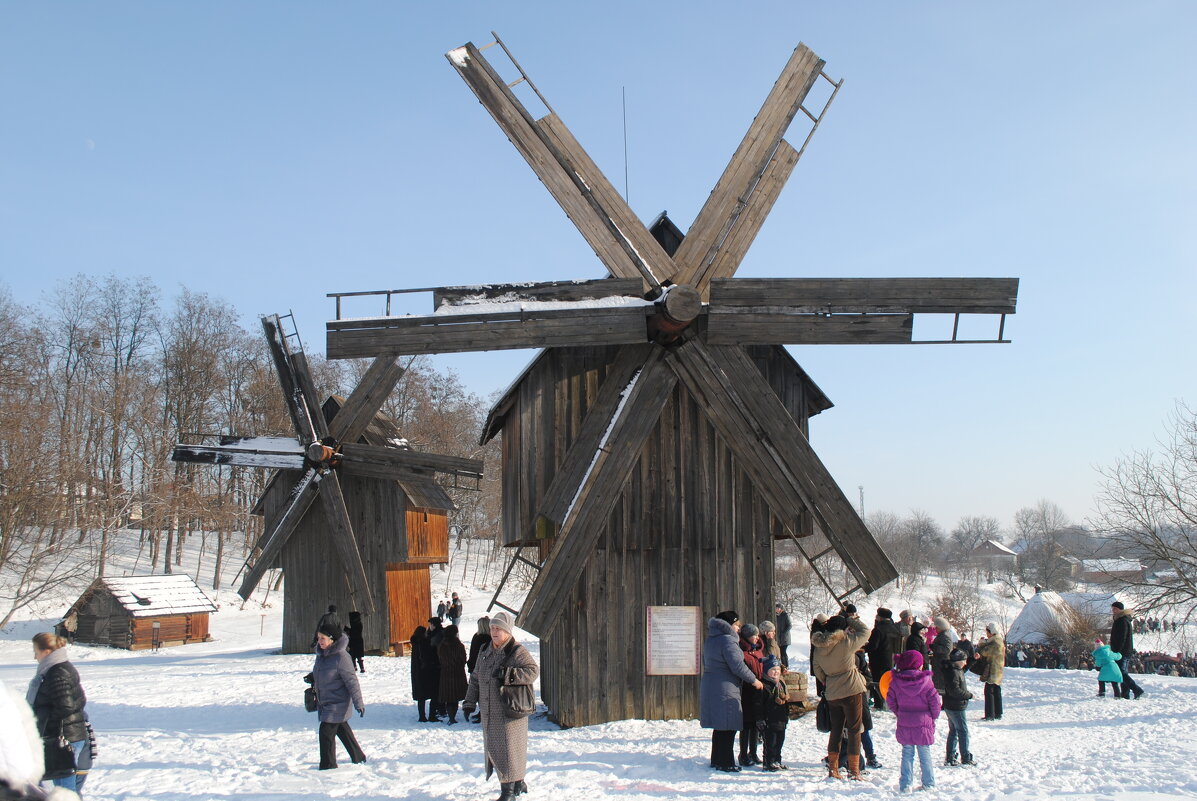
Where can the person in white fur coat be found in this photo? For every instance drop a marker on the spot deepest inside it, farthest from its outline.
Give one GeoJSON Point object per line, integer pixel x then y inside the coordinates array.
{"type": "Point", "coordinates": [21, 765]}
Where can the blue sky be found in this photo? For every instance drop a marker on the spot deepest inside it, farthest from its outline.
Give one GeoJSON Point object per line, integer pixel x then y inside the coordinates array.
{"type": "Point", "coordinates": [270, 153]}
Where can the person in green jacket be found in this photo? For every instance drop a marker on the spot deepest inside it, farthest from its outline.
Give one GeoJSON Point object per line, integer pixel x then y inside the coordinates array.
{"type": "Point", "coordinates": [1105, 662]}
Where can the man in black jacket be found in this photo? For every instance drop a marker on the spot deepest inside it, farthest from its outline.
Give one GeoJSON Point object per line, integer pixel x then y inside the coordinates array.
{"type": "Point", "coordinates": [1122, 642]}
{"type": "Point", "coordinates": [783, 634]}
{"type": "Point", "coordinates": [885, 642]}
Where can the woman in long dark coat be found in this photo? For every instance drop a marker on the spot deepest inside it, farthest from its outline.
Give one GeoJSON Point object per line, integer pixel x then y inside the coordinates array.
{"type": "Point", "coordinates": [425, 674]}
{"type": "Point", "coordinates": [357, 645]}
{"type": "Point", "coordinates": [723, 674]}
{"type": "Point", "coordinates": [453, 682]}
{"type": "Point", "coordinates": [57, 699]}
{"type": "Point", "coordinates": [504, 739]}
{"type": "Point", "coordinates": [336, 690]}
{"type": "Point", "coordinates": [477, 643]}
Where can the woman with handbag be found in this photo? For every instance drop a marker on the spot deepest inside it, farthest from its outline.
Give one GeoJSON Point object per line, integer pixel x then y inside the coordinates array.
{"type": "Point", "coordinates": [57, 699]}
{"type": "Point", "coordinates": [336, 687]}
{"type": "Point", "coordinates": [501, 689]}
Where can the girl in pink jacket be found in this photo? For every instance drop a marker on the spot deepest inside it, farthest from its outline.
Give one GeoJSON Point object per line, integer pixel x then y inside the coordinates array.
{"type": "Point", "coordinates": [912, 697]}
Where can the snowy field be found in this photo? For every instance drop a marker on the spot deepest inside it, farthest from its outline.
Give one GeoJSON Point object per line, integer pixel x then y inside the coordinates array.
{"type": "Point", "coordinates": [225, 720]}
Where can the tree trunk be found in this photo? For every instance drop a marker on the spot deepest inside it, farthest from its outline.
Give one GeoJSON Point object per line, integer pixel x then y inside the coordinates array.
{"type": "Point", "coordinates": [219, 560]}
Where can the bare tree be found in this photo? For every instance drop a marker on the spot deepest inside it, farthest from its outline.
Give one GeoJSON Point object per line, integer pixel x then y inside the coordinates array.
{"type": "Point", "coordinates": [970, 532]}
{"type": "Point", "coordinates": [1148, 505]}
{"type": "Point", "coordinates": [1042, 562]}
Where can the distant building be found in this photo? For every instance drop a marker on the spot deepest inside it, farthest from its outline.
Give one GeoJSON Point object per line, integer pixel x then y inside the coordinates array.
{"type": "Point", "coordinates": [994, 557]}
{"type": "Point", "coordinates": [137, 612]}
{"type": "Point", "coordinates": [1100, 571]}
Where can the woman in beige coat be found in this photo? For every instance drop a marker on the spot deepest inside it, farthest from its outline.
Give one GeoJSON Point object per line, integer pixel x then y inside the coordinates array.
{"type": "Point", "coordinates": [504, 740]}
{"type": "Point", "coordinates": [993, 648]}
{"type": "Point", "coordinates": [835, 665]}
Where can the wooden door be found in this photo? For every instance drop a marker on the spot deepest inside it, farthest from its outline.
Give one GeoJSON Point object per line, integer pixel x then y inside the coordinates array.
{"type": "Point", "coordinates": [409, 601]}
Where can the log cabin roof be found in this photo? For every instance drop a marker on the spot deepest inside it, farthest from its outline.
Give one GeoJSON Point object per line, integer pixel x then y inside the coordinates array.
{"type": "Point", "coordinates": [151, 596]}
{"type": "Point", "coordinates": [497, 416]}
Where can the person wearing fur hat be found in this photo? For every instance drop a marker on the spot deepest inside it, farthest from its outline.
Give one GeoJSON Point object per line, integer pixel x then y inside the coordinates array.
{"type": "Point", "coordinates": [1122, 641]}
{"type": "Point", "coordinates": [21, 752]}
{"type": "Point", "coordinates": [750, 701]}
{"type": "Point", "coordinates": [941, 648]}
{"type": "Point", "coordinates": [956, 696]}
{"type": "Point", "coordinates": [885, 642]}
{"type": "Point", "coordinates": [912, 697]}
{"type": "Point", "coordinates": [503, 662]}
{"type": "Point", "coordinates": [336, 687]}
{"type": "Point", "coordinates": [835, 666]}
{"type": "Point", "coordinates": [723, 673]}
{"type": "Point", "coordinates": [993, 649]}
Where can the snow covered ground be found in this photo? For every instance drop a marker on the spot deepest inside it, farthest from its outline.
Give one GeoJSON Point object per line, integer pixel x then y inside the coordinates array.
{"type": "Point", "coordinates": [225, 720]}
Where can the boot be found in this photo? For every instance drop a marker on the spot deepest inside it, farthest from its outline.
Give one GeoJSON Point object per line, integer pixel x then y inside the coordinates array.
{"type": "Point", "coordinates": [420, 706]}
{"type": "Point", "coordinates": [967, 759]}
{"type": "Point", "coordinates": [854, 767]}
{"type": "Point", "coordinates": [871, 761]}
{"type": "Point", "coordinates": [509, 790]}
{"type": "Point", "coordinates": [950, 759]}
{"type": "Point", "coordinates": [833, 766]}
{"type": "Point", "coordinates": [522, 788]}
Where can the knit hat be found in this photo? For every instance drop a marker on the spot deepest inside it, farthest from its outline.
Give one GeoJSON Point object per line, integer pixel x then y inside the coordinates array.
{"type": "Point", "coordinates": [770, 662]}
{"type": "Point", "coordinates": [848, 609]}
{"type": "Point", "coordinates": [729, 617]}
{"type": "Point", "coordinates": [885, 614]}
{"type": "Point", "coordinates": [822, 618]}
{"type": "Point", "coordinates": [941, 623]}
{"type": "Point", "coordinates": [836, 623]}
{"type": "Point", "coordinates": [957, 656]}
{"type": "Point", "coordinates": [501, 620]}
{"type": "Point", "coordinates": [767, 626]}
{"type": "Point", "coordinates": [1118, 605]}
{"type": "Point", "coordinates": [909, 660]}
{"type": "Point", "coordinates": [748, 630]}
{"type": "Point", "coordinates": [329, 630]}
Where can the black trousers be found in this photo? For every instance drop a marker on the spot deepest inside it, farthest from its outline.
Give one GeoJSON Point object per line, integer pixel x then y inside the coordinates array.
{"type": "Point", "coordinates": [774, 740]}
{"type": "Point", "coordinates": [1128, 684]}
{"type": "Point", "coordinates": [993, 701]}
{"type": "Point", "coordinates": [328, 748]}
{"type": "Point", "coordinates": [749, 737]}
{"type": "Point", "coordinates": [722, 748]}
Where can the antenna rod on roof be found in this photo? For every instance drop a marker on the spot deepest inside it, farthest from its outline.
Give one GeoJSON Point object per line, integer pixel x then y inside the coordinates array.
{"type": "Point", "coordinates": [626, 197]}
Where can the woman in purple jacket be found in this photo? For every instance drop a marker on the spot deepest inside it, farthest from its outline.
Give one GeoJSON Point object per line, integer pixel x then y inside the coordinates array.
{"type": "Point", "coordinates": [913, 698]}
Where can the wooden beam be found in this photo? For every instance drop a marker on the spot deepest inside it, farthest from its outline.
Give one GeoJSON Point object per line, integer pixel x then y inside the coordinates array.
{"type": "Point", "coordinates": [585, 520]}
{"type": "Point", "coordinates": [515, 328]}
{"type": "Point", "coordinates": [270, 545]}
{"type": "Point", "coordinates": [569, 474]}
{"type": "Point", "coordinates": [593, 289]}
{"type": "Point", "coordinates": [367, 398]}
{"type": "Point", "coordinates": [550, 165]}
{"type": "Point", "coordinates": [355, 455]}
{"type": "Point", "coordinates": [793, 459]}
{"type": "Point", "coordinates": [280, 354]}
{"type": "Point", "coordinates": [332, 501]}
{"type": "Point", "coordinates": [238, 456]}
{"type": "Point", "coordinates": [761, 328]}
{"type": "Point", "coordinates": [696, 255]}
{"type": "Point", "coordinates": [867, 295]}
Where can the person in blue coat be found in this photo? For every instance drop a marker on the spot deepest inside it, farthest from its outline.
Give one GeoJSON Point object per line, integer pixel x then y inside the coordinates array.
{"type": "Point", "coordinates": [723, 675]}
{"type": "Point", "coordinates": [336, 689]}
{"type": "Point", "coordinates": [1106, 663]}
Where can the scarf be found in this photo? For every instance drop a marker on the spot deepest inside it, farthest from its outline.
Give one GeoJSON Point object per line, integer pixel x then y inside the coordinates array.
{"type": "Point", "coordinates": [55, 657]}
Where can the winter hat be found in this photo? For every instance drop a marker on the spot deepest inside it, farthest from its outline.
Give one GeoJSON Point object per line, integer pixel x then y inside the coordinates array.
{"type": "Point", "coordinates": [957, 656]}
{"type": "Point", "coordinates": [848, 609]}
{"type": "Point", "coordinates": [1118, 605]}
{"type": "Point", "coordinates": [916, 627]}
{"type": "Point", "coordinates": [329, 630]}
{"type": "Point", "coordinates": [770, 662]}
{"type": "Point", "coordinates": [885, 614]}
{"type": "Point", "coordinates": [729, 617]}
{"type": "Point", "coordinates": [20, 746]}
{"type": "Point", "coordinates": [767, 626]}
{"type": "Point", "coordinates": [450, 631]}
{"type": "Point", "coordinates": [905, 613]}
{"type": "Point", "coordinates": [748, 630]}
{"type": "Point", "coordinates": [501, 620]}
{"type": "Point", "coordinates": [836, 623]}
{"type": "Point", "coordinates": [992, 628]}
{"type": "Point", "coordinates": [941, 623]}
{"type": "Point", "coordinates": [821, 618]}
{"type": "Point", "coordinates": [909, 660]}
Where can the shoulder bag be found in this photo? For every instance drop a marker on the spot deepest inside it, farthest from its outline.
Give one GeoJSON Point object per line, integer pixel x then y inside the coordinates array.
{"type": "Point", "coordinates": [823, 715]}
{"type": "Point", "coordinates": [518, 699]}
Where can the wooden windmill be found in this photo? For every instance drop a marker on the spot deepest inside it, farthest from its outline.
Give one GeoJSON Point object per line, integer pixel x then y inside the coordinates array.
{"type": "Point", "coordinates": [657, 447]}
{"type": "Point", "coordinates": [377, 535]}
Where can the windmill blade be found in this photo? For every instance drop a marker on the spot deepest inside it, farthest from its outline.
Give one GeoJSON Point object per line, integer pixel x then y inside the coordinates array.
{"type": "Point", "coordinates": [284, 454]}
{"type": "Point", "coordinates": [618, 452]}
{"type": "Point", "coordinates": [271, 543]}
{"type": "Point", "coordinates": [332, 500]}
{"type": "Point", "coordinates": [303, 377]}
{"type": "Point", "coordinates": [612, 230]}
{"type": "Point", "coordinates": [799, 311]}
{"type": "Point", "coordinates": [744, 173]}
{"type": "Point", "coordinates": [521, 325]}
{"type": "Point", "coordinates": [379, 461]}
{"type": "Point", "coordinates": [367, 398]}
{"type": "Point", "coordinates": [301, 413]}
{"type": "Point", "coordinates": [570, 473]}
{"type": "Point", "coordinates": [756, 424]}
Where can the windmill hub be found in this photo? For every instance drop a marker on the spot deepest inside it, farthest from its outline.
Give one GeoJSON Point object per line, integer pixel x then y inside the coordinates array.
{"type": "Point", "coordinates": [319, 453]}
{"type": "Point", "coordinates": [679, 307]}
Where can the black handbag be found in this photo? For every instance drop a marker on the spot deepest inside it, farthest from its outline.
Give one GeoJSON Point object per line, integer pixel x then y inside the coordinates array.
{"type": "Point", "coordinates": [979, 667]}
{"type": "Point", "coordinates": [310, 702]}
{"type": "Point", "coordinates": [823, 715]}
{"type": "Point", "coordinates": [60, 758]}
{"type": "Point", "coordinates": [518, 700]}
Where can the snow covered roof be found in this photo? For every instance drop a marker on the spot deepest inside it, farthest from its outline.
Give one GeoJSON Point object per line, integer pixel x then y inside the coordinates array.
{"type": "Point", "coordinates": [1112, 566]}
{"type": "Point", "coordinates": [993, 548]}
{"type": "Point", "coordinates": [154, 596]}
{"type": "Point", "coordinates": [1046, 613]}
